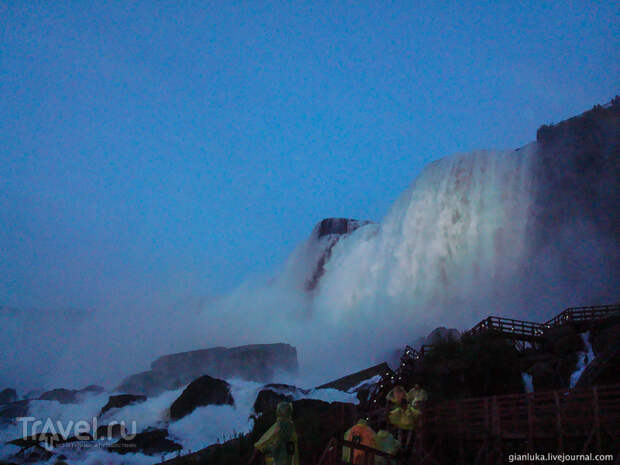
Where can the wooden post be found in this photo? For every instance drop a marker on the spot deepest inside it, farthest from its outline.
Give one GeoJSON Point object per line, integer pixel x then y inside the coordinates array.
{"type": "Point", "coordinates": [530, 423]}
{"type": "Point", "coordinates": [498, 431]}
{"type": "Point", "coordinates": [558, 412]}
{"type": "Point", "coordinates": [461, 430]}
{"type": "Point", "coordinates": [597, 419]}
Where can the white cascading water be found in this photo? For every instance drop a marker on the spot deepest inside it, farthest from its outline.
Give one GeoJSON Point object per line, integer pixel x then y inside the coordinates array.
{"type": "Point", "coordinates": [459, 230]}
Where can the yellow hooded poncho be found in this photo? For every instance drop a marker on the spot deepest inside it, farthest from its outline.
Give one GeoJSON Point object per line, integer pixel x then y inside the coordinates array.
{"type": "Point", "coordinates": [366, 437]}
{"type": "Point", "coordinates": [387, 443]}
{"type": "Point", "coordinates": [279, 443]}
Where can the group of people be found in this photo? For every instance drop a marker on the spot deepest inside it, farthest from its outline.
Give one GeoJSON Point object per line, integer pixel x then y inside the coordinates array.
{"type": "Point", "coordinates": [403, 414]}
{"type": "Point", "coordinates": [279, 443]}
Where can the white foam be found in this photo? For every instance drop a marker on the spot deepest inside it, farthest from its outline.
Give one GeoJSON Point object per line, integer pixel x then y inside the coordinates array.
{"type": "Point", "coordinates": [585, 358]}
{"type": "Point", "coordinates": [527, 382]}
{"type": "Point", "coordinates": [213, 423]}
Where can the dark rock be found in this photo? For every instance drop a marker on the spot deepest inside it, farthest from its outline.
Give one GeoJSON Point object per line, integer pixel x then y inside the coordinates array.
{"type": "Point", "coordinates": [442, 334]}
{"type": "Point", "coordinates": [33, 440]}
{"type": "Point", "coordinates": [323, 239]}
{"type": "Point", "coordinates": [269, 397]}
{"type": "Point", "coordinates": [152, 383]}
{"type": "Point", "coordinates": [34, 394]}
{"type": "Point", "coordinates": [14, 409]}
{"type": "Point", "coordinates": [576, 177]}
{"type": "Point", "coordinates": [338, 226]}
{"type": "Point", "coordinates": [35, 454]}
{"type": "Point", "coordinates": [114, 430]}
{"type": "Point", "coordinates": [543, 376]}
{"type": "Point", "coordinates": [267, 400]}
{"type": "Point", "coordinates": [605, 368]}
{"type": "Point", "coordinates": [91, 389]}
{"type": "Point", "coordinates": [563, 340]}
{"type": "Point", "coordinates": [202, 391]}
{"type": "Point", "coordinates": [120, 401]}
{"type": "Point", "coordinates": [82, 437]}
{"type": "Point", "coordinates": [149, 442]}
{"type": "Point", "coordinates": [8, 395]}
{"type": "Point", "coordinates": [286, 388]}
{"type": "Point", "coordinates": [347, 382]}
{"type": "Point", "coordinates": [606, 337]}
{"type": "Point", "coordinates": [64, 396]}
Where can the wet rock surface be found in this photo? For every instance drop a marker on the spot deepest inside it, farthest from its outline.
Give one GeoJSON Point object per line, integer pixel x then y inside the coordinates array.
{"type": "Point", "coordinates": [200, 392]}
{"type": "Point", "coordinates": [120, 401]}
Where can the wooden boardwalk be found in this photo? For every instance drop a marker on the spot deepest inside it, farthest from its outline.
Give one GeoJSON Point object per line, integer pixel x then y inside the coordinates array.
{"type": "Point", "coordinates": [528, 331]}
{"type": "Point", "coordinates": [521, 331]}
{"type": "Point", "coordinates": [486, 430]}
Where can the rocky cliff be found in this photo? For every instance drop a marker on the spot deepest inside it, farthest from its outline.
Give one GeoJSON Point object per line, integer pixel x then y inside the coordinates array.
{"type": "Point", "coordinates": [258, 362]}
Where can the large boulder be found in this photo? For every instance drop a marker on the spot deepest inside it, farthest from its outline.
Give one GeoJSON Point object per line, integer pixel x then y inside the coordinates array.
{"type": "Point", "coordinates": [121, 401]}
{"type": "Point", "coordinates": [272, 394]}
{"type": "Point", "coordinates": [8, 395]}
{"type": "Point", "coordinates": [114, 430]}
{"type": "Point", "coordinates": [151, 383]}
{"type": "Point", "coordinates": [442, 334]}
{"type": "Point", "coordinates": [267, 400]}
{"type": "Point", "coordinates": [64, 396]}
{"type": "Point", "coordinates": [200, 392]}
{"type": "Point", "coordinates": [13, 410]}
{"type": "Point", "coordinates": [149, 442]}
{"type": "Point", "coordinates": [69, 396]}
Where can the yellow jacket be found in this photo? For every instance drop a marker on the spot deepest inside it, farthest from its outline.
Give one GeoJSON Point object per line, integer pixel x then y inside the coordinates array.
{"type": "Point", "coordinates": [279, 443]}
{"type": "Point", "coordinates": [366, 437]}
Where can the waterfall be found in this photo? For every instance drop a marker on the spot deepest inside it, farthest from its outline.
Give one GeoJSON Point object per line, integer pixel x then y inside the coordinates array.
{"type": "Point", "coordinates": [457, 232]}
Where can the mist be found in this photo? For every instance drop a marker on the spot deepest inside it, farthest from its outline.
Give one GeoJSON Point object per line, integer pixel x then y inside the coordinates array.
{"type": "Point", "coordinates": [454, 248]}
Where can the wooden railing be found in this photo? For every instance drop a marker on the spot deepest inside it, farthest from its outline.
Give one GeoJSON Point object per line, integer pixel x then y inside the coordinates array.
{"type": "Point", "coordinates": [579, 314]}
{"type": "Point", "coordinates": [531, 331]}
{"type": "Point", "coordinates": [565, 420]}
{"type": "Point", "coordinates": [518, 329]}
{"type": "Point", "coordinates": [333, 454]}
{"type": "Point", "coordinates": [531, 415]}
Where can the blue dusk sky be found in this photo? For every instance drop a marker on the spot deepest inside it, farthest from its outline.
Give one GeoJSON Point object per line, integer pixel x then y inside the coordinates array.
{"type": "Point", "coordinates": [164, 150]}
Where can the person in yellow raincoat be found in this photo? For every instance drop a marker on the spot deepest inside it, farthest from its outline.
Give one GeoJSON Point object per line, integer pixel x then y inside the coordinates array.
{"type": "Point", "coordinates": [402, 416]}
{"type": "Point", "coordinates": [396, 395]}
{"type": "Point", "coordinates": [385, 442]}
{"type": "Point", "coordinates": [416, 395]}
{"type": "Point", "coordinates": [360, 433]}
{"type": "Point", "coordinates": [279, 443]}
